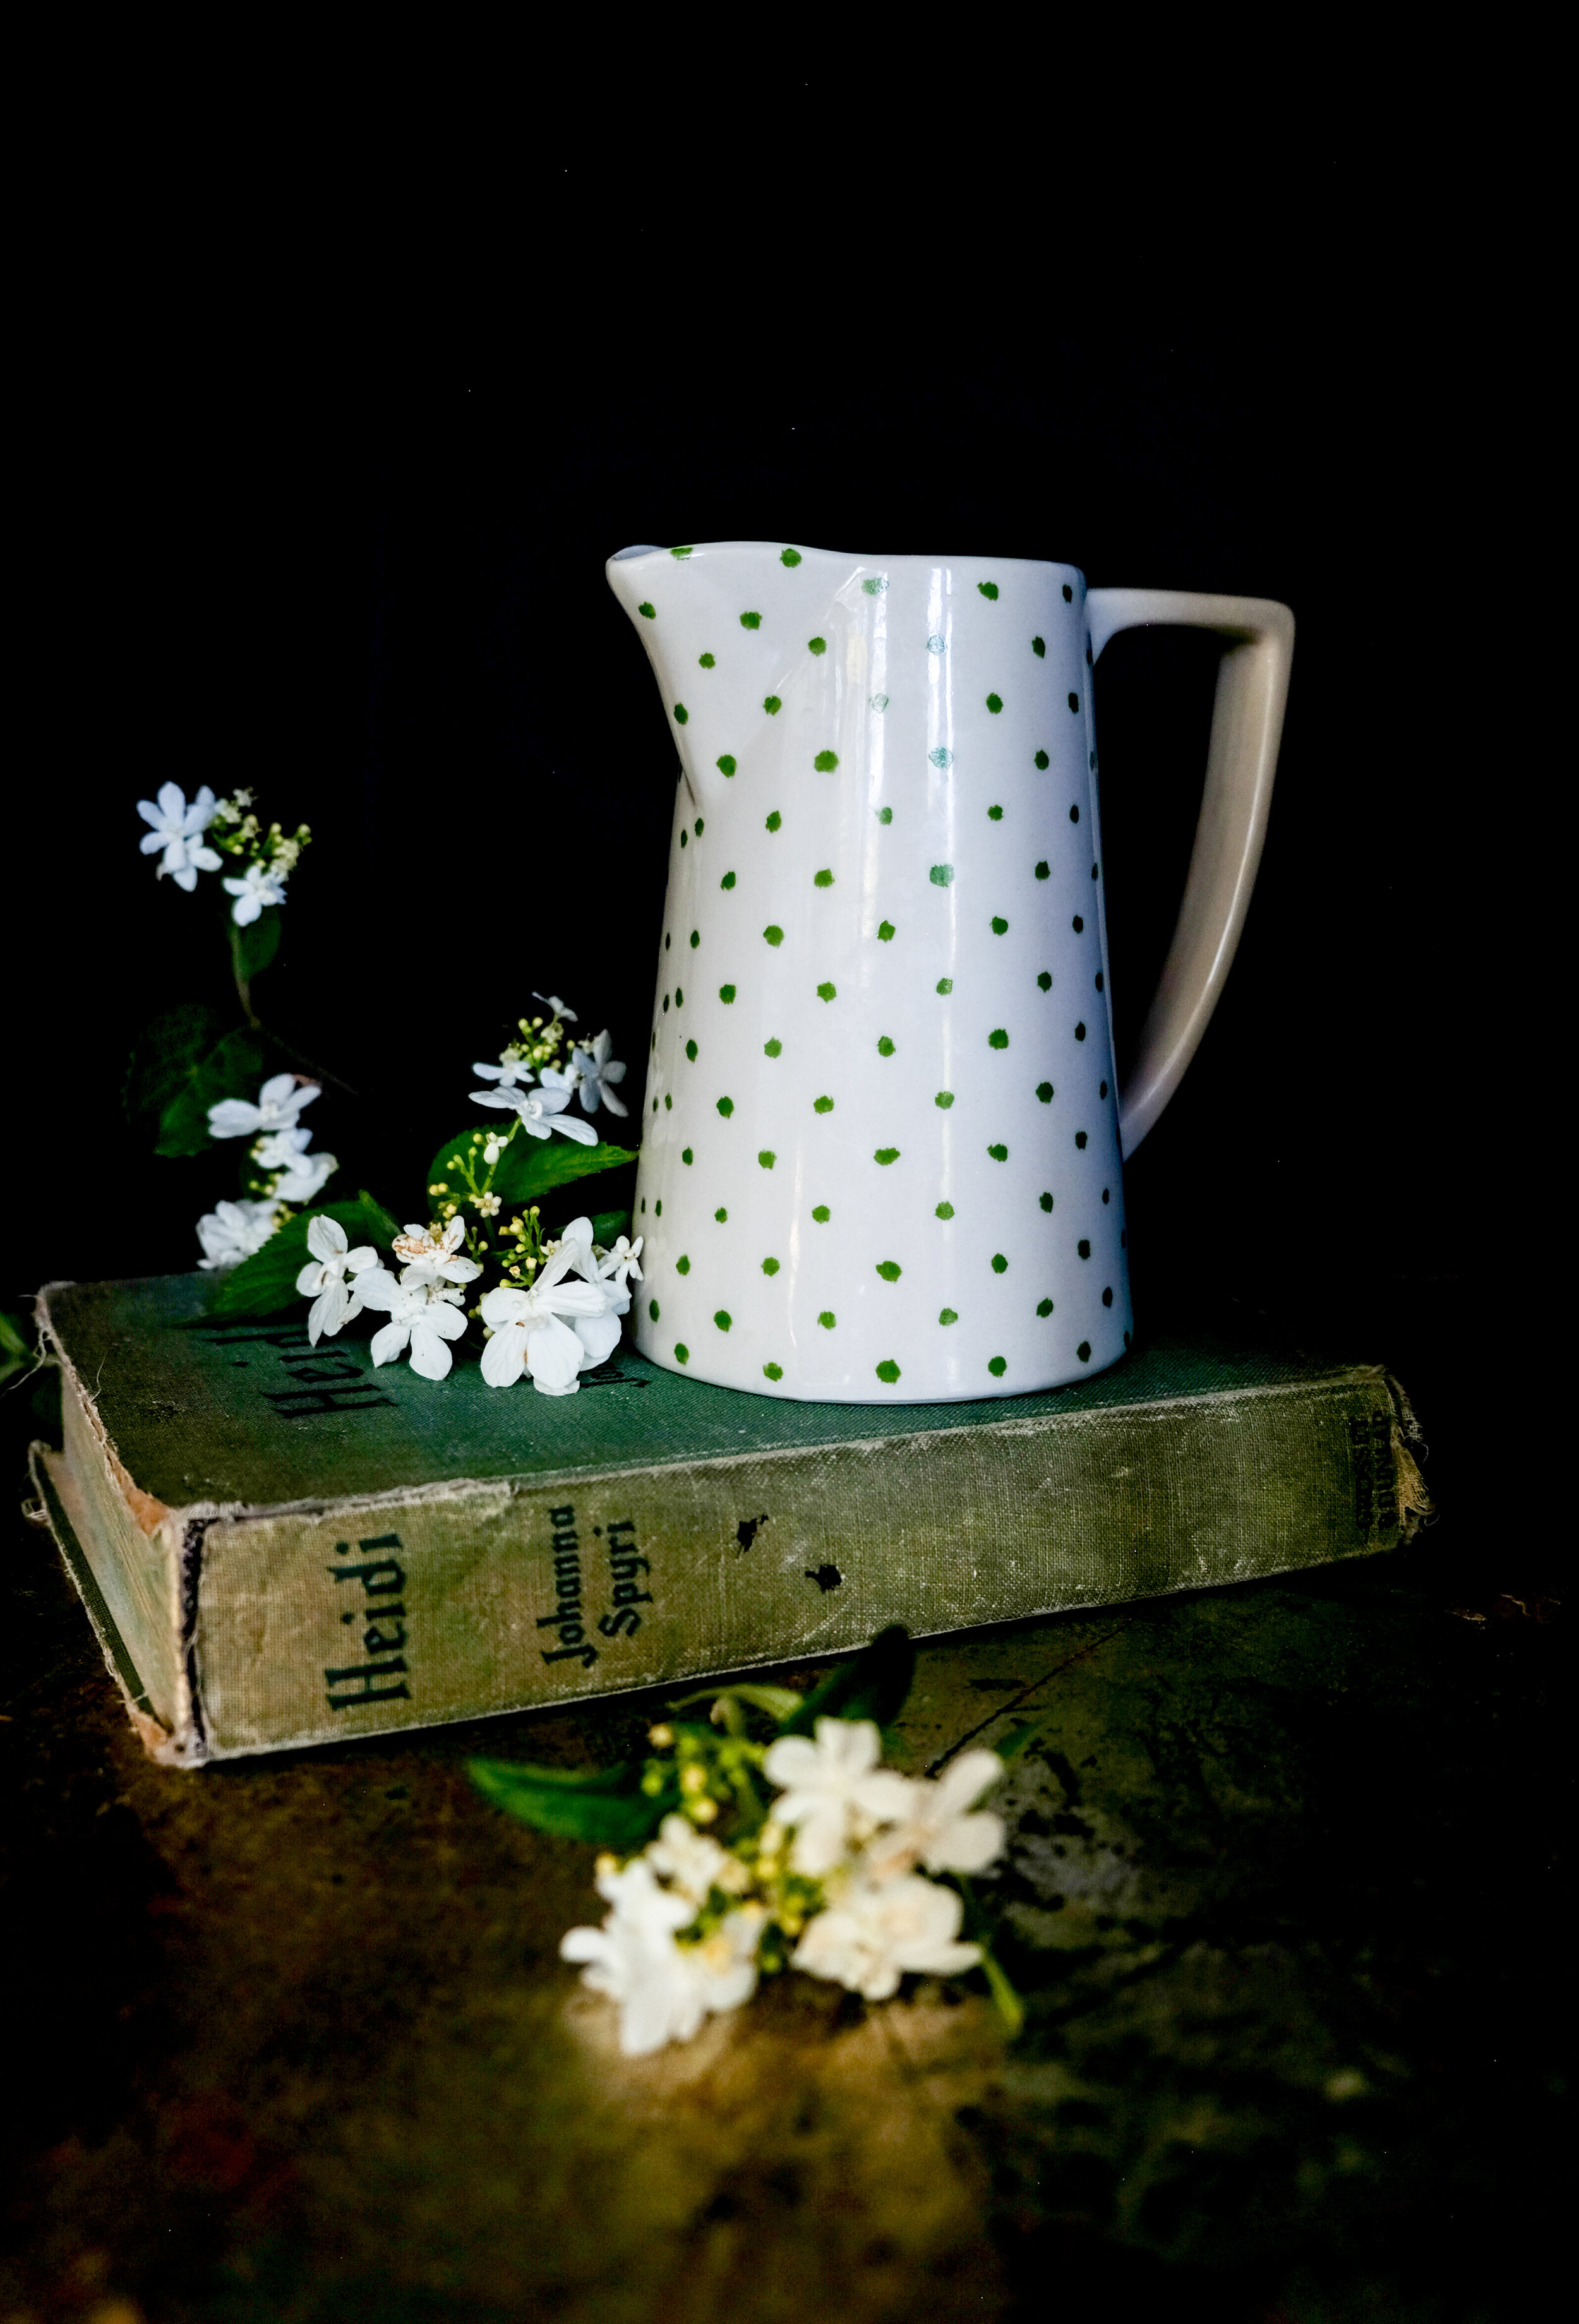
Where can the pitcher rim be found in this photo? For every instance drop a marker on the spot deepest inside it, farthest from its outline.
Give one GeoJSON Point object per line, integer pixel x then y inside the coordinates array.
{"type": "Point", "coordinates": [684, 550]}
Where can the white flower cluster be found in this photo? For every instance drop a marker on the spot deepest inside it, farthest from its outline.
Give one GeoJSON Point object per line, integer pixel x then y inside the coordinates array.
{"type": "Point", "coordinates": [689, 1916]}
{"type": "Point", "coordinates": [589, 1075]}
{"type": "Point", "coordinates": [178, 837]}
{"type": "Point", "coordinates": [553, 1331]}
{"type": "Point", "coordinates": [232, 1231]}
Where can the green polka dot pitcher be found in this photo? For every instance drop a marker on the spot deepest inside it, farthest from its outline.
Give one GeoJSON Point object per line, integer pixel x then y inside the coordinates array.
{"type": "Point", "coordinates": [881, 1159]}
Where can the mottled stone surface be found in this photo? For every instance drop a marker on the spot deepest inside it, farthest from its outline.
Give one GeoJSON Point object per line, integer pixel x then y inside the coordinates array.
{"type": "Point", "coordinates": [298, 2046]}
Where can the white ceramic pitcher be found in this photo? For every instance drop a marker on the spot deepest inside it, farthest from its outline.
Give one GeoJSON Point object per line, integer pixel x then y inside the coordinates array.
{"type": "Point", "coordinates": [881, 1159]}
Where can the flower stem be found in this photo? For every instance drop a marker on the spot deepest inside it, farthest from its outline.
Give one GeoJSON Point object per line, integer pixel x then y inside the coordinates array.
{"type": "Point", "coordinates": [244, 992]}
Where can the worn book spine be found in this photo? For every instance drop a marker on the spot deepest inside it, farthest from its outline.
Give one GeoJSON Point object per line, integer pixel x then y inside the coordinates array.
{"type": "Point", "coordinates": [240, 1630]}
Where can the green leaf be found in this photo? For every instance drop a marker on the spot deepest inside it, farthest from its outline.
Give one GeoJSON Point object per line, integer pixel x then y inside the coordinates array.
{"type": "Point", "coordinates": [265, 1284]}
{"type": "Point", "coordinates": [780, 1702]}
{"type": "Point", "coordinates": [256, 945]}
{"type": "Point", "coordinates": [164, 1057]}
{"type": "Point", "coordinates": [528, 1169]}
{"type": "Point", "coordinates": [873, 1685]}
{"type": "Point", "coordinates": [623, 1776]}
{"type": "Point", "coordinates": [608, 1226]}
{"type": "Point", "coordinates": [15, 1350]}
{"type": "Point", "coordinates": [233, 1067]}
{"type": "Point", "coordinates": [623, 1821]}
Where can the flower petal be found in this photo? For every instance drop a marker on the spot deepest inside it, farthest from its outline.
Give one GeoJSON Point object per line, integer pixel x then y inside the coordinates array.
{"type": "Point", "coordinates": [572, 1298]}
{"type": "Point", "coordinates": [386, 1344]}
{"type": "Point", "coordinates": [326, 1238]}
{"type": "Point", "coordinates": [504, 1356]}
{"type": "Point", "coordinates": [883, 1794]}
{"type": "Point", "coordinates": [961, 1786]}
{"type": "Point", "coordinates": [327, 1311]}
{"type": "Point", "coordinates": [430, 1356]}
{"type": "Point", "coordinates": [232, 1117]}
{"type": "Point", "coordinates": [378, 1289]}
{"type": "Point", "coordinates": [792, 1760]}
{"type": "Point", "coordinates": [581, 1133]}
{"type": "Point", "coordinates": [599, 1336]}
{"type": "Point", "coordinates": [553, 1357]}
{"type": "Point", "coordinates": [505, 1305]}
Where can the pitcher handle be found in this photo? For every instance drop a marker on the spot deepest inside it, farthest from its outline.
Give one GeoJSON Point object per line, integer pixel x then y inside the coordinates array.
{"type": "Point", "coordinates": [1247, 725]}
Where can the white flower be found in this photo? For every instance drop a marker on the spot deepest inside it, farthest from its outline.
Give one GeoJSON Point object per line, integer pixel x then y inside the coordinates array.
{"type": "Point", "coordinates": [432, 1258]}
{"type": "Point", "coordinates": [540, 1113]}
{"type": "Point", "coordinates": [872, 1935]}
{"type": "Point", "coordinates": [322, 1279]}
{"type": "Point", "coordinates": [255, 889]}
{"type": "Point", "coordinates": [938, 1828]}
{"type": "Point", "coordinates": [424, 1312]}
{"type": "Point", "coordinates": [594, 1069]}
{"type": "Point", "coordinates": [280, 1100]}
{"type": "Point", "coordinates": [305, 1179]}
{"type": "Point", "coordinates": [530, 1332]}
{"type": "Point", "coordinates": [611, 1268]}
{"type": "Point", "coordinates": [616, 1266]}
{"type": "Point", "coordinates": [692, 1864]}
{"type": "Point", "coordinates": [178, 830]}
{"type": "Point", "coordinates": [232, 1231]}
{"type": "Point", "coordinates": [829, 1787]}
{"type": "Point", "coordinates": [509, 1070]}
{"type": "Point", "coordinates": [664, 1990]}
{"type": "Point", "coordinates": [279, 1150]}
{"type": "Point", "coordinates": [552, 1001]}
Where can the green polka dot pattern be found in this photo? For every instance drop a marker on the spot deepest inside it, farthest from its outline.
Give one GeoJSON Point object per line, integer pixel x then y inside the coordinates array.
{"type": "Point", "coordinates": [877, 1146]}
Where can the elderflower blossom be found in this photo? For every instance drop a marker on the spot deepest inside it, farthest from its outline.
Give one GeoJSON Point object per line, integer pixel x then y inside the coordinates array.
{"type": "Point", "coordinates": [280, 1100]}
{"type": "Point", "coordinates": [541, 1111]}
{"type": "Point", "coordinates": [424, 1313]}
{"type": "Point", "coordinates": [877, 1931]}
{"type": "Point", "coordinates": [267, 858]}
{"type": "Point", "coordinates": [257, 888]}
{"type": "Point", "coordinates": [232, 1231]}
{"type": "Point", "coordinates": [555, 1331]}
{"type": "Point", "coordinates": [940, 1825]}
{"type": "Point", "coordinates": [303, 1180]}
{"type": "Point", "coordinates": [664, 1989]}
{"type": "Point", "coordinates": [436, 1258]}
{"type": "Point", "coordinates": [177, 835]}
{"type": "Point", "coordinates": [829, 1883]}
{"type": "Point", "coordinates": [833, 1790]}
{"type": "Point", "coordinates": [511, 1067]}
{"type": "Point", "coordinates": [589, 1075]}
{"type": "Point", "coordinates": [323, 1278]}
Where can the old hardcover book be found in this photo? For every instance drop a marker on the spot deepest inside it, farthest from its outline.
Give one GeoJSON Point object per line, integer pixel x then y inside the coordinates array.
{"type": "Point", "coordinates": [278, 1545]}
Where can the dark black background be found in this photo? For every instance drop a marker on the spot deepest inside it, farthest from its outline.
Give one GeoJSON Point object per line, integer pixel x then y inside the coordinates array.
{"type": "Point", "coordinates": [375, 594]}
{"type": "Point", "coordinates": [371, 586]}
{"type": "Point", "coordinates": [387, 614]}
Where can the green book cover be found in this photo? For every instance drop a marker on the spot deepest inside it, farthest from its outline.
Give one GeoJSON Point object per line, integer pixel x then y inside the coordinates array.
{"type": "Point", "coordinates": [280, 1544]}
